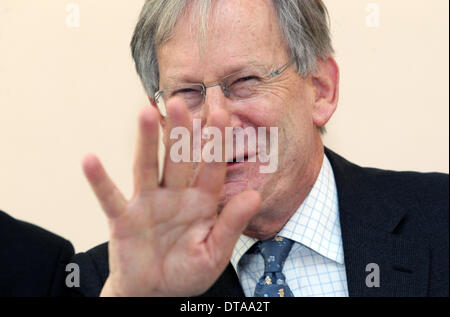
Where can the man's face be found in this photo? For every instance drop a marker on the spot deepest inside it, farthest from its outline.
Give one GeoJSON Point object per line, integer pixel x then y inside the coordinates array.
{"type": "Point", "coordinates": [243, 33]}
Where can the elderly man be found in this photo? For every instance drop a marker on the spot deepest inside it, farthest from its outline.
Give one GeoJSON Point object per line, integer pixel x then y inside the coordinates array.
{"type": "Point", "coordinates": [317, 226]}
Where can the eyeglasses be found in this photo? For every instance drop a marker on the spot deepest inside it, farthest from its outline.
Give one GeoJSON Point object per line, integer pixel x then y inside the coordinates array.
{"type": "Point", "coordinates": [241, 86]}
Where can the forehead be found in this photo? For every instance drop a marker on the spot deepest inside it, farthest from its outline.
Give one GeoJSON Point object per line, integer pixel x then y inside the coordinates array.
{"type": "Point", "coordinates": [238, 33]}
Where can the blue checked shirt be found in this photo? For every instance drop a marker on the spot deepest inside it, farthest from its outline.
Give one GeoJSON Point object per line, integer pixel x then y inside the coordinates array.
{"type": "Point", "coordinates": [315, 265]}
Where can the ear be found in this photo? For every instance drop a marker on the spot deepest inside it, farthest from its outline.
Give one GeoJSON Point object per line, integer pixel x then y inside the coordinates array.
{"type": "Point", "coordinates": [162, 112]}
{"type": "Point", "coordinates": [326, 83]}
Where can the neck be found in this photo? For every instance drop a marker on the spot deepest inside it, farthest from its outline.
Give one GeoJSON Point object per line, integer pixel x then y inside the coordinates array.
{"type": "Point", "coordinates": [270, 220]}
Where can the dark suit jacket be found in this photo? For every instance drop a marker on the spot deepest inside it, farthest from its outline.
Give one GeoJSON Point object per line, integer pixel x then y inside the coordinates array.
{"type": "Point", "coordinates": [398, 220]}
{"type": "Point", "coordinates": [32, 259]}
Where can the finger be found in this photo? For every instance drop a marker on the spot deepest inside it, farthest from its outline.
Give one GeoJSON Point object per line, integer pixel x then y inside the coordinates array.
{"type": "Point", "coordinates": [178, 160]}
{"type": "Point", "coordinates": [146, 161]}
{"type": "Point", "coordinates": [231, 223]}
{"type": "Point", "coordinates": [110, 198]}
{"type": "Point", "coordinates": [210, 176]}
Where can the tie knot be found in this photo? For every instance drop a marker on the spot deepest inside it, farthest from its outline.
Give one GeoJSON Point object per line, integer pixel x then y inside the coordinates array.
{"type": "Point", "coordinates": [275, 252]}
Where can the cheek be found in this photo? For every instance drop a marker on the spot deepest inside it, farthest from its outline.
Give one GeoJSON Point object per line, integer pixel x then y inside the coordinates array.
{"type": "Point", "coordinates": [282, 107]}
{"type": "Point", "coordinates": [296, 117]}
{"type": "Point", "coordinates": [264, 113]}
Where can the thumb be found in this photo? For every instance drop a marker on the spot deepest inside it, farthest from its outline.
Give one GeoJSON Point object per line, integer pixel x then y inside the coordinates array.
{"type": "Point", "coordinates": [231, 223]}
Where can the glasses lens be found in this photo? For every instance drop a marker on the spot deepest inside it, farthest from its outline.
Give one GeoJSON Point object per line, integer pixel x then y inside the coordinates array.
{"type": "Point", "coordinates": [247, 84]}
{"type": "Point", "coordinates": [192, 94]}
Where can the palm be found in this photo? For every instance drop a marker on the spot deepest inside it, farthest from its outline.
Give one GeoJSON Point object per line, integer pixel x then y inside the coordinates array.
{"type": "Point", "coordinates": [168, 240]}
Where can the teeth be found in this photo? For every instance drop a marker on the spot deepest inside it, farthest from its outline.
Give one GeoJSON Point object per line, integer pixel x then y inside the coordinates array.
{"type": "Point", "coordinates": [235, 160]}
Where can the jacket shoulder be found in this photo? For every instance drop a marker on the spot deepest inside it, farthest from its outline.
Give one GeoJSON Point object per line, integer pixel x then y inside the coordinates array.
{"type": "Point", "coordinates": [423, 194]}
{"type": "Point", "coordinates": [33, 259]}
{"type": "Point", "coordinates": [21, 232]}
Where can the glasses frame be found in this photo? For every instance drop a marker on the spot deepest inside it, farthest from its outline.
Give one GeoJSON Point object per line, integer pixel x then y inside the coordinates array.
{"type": "Point", "coordinates": [223, 85]}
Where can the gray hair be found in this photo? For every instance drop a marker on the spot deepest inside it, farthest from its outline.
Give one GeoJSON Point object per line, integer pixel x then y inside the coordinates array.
{"type": "Point", "coordinates": [304, 25]}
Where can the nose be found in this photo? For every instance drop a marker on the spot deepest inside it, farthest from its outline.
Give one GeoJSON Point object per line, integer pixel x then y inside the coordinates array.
{"type": "Point", "coordinates": [215, 98]}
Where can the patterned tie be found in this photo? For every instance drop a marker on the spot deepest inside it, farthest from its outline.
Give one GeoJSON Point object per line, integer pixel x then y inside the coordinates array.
{"type": "Point", "coordinates": [273, 281]}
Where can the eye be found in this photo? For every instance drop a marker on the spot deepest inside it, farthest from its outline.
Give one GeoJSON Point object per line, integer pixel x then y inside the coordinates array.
{"type": "Point", "coordinates": [191, 95]}
{"type": "Point", "coordinates": [245, 87]}
{"type": "Point", "coordinates": [246, 79]}
{"type": "Point", "coordinates": [186, 92]}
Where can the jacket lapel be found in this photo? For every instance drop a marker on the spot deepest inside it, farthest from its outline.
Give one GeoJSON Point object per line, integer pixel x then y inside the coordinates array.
{"type": "Point", "coordinates": [371, 223]}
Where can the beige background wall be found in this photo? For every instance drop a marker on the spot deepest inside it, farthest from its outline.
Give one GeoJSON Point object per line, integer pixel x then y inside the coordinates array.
{"type": "Point", "coordinates": [68, 87]}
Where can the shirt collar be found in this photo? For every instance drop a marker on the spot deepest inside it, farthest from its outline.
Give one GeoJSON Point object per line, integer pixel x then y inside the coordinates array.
{"type": "Point", "coordinates": [315, 224]}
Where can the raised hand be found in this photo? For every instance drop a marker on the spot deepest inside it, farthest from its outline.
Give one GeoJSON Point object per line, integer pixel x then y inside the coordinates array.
{"type": "Point", "coordinates": [169, 239]}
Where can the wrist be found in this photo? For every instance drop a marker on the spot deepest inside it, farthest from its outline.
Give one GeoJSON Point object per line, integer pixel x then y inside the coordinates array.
{"type": "Point", "coordinates": [108, 290]}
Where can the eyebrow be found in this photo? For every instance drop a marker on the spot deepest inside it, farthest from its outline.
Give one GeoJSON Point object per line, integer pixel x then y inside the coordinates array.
{"type": "Point", "coordinates": [176, 79]}
{"type": "Point", "coordinates": [173, 80]}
